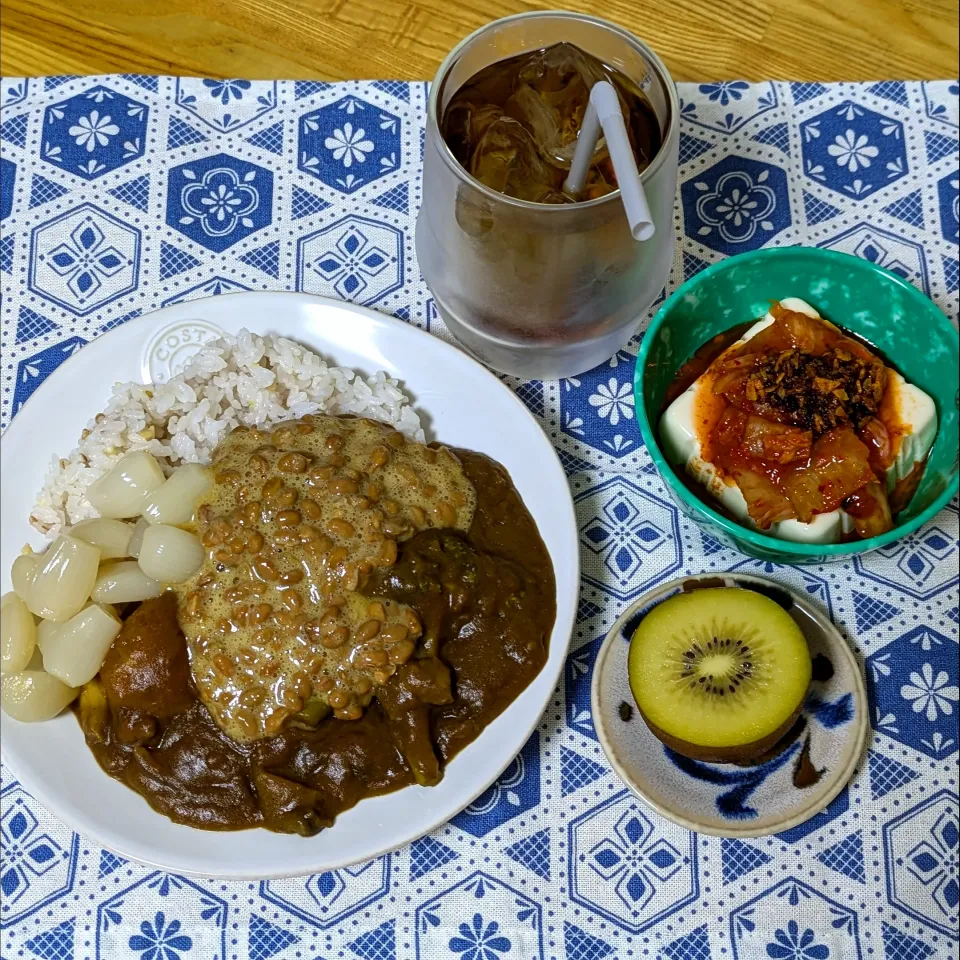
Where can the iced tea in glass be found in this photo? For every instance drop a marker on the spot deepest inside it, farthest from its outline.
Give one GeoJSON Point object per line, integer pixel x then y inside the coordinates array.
{"type": "Point", "coordinates": [514, 125]}
{"type": "Point", "coordinates": [533, 282]}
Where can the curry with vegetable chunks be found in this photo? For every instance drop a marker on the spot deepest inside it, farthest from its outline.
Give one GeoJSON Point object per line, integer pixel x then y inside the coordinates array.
{"type": "Point", "coordinates": [485, 599]}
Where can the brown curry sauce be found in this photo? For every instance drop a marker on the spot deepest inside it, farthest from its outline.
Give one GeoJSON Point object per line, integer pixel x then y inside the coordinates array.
{"type": "Point", "coordinates": [487, 601]}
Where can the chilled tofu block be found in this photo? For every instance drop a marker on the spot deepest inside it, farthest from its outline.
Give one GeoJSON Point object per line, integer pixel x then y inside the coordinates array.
{"type": "Point", "coordinates": [903, 403]}
{"type": "Point", "coordinates": [914, 409]}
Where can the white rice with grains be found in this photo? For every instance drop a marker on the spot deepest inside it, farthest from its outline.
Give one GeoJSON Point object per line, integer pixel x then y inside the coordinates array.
{"type": "Point", "coordinates": [242, 380]}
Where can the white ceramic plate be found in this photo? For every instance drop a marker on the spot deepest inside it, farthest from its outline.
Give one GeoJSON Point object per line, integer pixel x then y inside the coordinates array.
{"type": "Point", "coordinates": [459, 402]}
{"type": "Point", "coordinates": [723, 799]}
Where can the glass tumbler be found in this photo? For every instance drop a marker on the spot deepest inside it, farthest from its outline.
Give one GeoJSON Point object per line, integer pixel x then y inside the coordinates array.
{"type": "Point", "coordinates": [537, 290]}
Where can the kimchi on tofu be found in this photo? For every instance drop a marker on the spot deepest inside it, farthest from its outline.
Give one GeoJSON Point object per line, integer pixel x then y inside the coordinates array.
{"type": "Point", "coordinates": [797, 421]}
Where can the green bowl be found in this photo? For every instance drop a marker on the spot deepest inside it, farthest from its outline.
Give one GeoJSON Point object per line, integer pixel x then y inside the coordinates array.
{"type": "Point", "coordinates": [882, 308]}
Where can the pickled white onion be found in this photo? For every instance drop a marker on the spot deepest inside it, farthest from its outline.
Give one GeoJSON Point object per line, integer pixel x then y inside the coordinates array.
{"type": "Point", "coordinates": [133, 548]}
{"type": "Point", "coordinates": [174, 502]}
{"type": "Point", "coordinates": [169, 554]}
{"type": "Point", "coordinates": [124, 582]}
{"type": "Point", "coordinates": [73, 651]}
{"type": "Point", "coordinates": [33, 694]}
{"type": "Point", "coordinates": [64, 579]}
{"type": "Point", "coordinates": [18, 634]}
{"type": "Point", "coordinates": [22, 573]}
{"type": "Point", "coordinates": [111, 537]}
{"type": "Point", "coordinates": [122, 491]}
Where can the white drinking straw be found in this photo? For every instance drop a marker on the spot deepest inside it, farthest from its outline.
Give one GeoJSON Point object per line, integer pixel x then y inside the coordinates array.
{"type": "Point", "coordinates": [603, 110]}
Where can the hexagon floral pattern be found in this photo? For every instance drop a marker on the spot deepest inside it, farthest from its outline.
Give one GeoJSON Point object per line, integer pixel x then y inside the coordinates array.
{"type": "Point", "coordinates": [886, 248]}
{"type": "Point", "coordinates": [326, 899]}
{"type": "Point", "coordinates": [226, 104]}
{"type": "Point", "coordinates": [172, 917]}
{"type": "Point", "coordinates": [39, 859]}
{"type": "Point", "coordinates": [792, 921]}
{"type": "Point", "coordinates": [630, 538]}
{"type": "Point", "coordinates": [853, 149]}
{"type": "Point", "coordinates": [480, 918]}
{"type": "Point", "coordinates": [727, 105]}
{"type": "Point", "coordinates": [218, 201]}
{"type": "Point", "coordinates": [920, 849]}
{"type": "Point", "coordinates": [917, 699]}
{"type": "Point", "coordinates": [349, 143]}
{"type": "Point", "coordinates": [738, 204]}
{"type": "Point", "coordinates": [122, 194]}
{"type": "Point", "coordinates": [628, 869]}
{"type": "Point", "coordinates": [922, 565]}
{"type": "Point", "coordinates": [84, 258]}
{"type": "Point", "coordinates": [94, 132]}
{"type": "Point", "coordinates": [598, 405]}
{"type": "Point", "coordinates": [354, 259]}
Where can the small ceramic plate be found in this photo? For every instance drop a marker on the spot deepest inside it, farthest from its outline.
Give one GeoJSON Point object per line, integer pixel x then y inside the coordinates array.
{"type": "Point", "coordinates": [459, 402]}
{"type": "Point", "coordinates": [806, 770]}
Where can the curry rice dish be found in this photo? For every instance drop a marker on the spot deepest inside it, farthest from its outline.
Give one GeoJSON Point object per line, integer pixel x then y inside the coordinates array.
{"type": "Point", "coordinates": [362, 607]}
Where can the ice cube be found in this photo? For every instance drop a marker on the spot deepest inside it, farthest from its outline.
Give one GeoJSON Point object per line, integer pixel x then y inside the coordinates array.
{"type": "Point", "coordinates": [506, 160]}
{"type": "Point", "coordinates": [474, 215]}
{"type": "Point", "coordinates": [541, 119]}
{"type": "Point", "coordinates": [465, 124]}
{"type": "Point", "coordinates": [552, 97]}
{"type": "Point", "coordinates": [562, 70]}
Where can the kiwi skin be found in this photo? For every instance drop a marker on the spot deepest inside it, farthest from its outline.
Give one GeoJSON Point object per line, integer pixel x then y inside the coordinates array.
{"type": "Point", "coordinates": [742, 753]}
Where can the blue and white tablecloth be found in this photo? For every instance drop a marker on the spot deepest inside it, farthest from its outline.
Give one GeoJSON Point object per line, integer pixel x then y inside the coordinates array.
{"type": "Point", "coordinates": [121, 194]}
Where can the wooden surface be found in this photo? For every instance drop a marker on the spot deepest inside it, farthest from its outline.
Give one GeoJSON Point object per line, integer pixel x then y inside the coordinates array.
{"type": "Point", "coordinates": [407, 39]}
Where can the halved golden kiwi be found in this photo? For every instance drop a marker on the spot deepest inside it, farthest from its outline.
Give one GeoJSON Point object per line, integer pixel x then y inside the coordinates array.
{"type": "Point", "coordinates": [719, 674]}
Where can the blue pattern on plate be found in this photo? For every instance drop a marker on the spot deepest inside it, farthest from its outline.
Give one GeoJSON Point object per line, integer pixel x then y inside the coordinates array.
{"type": "Point", "coordinates": [100, 226]}
{"type": "Point", "coordinates": [738, 785]}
